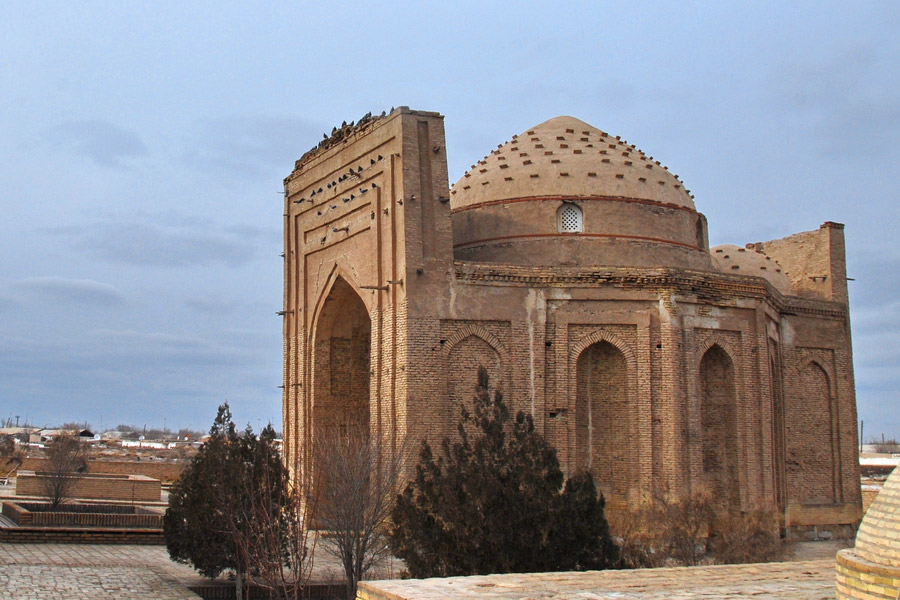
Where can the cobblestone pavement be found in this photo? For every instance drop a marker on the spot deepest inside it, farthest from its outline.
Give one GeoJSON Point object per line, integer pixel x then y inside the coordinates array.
{"type": "Point", "coordinates": [122, 572]}
{"type": "Point", "coordinates": [46, 582]}
{"type": "Point", "coordinates": [71, 571]}
{"type": "Point", "coordinates": [811, 580]}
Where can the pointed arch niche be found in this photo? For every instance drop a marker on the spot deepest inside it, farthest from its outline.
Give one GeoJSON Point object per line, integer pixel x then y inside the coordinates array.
{"type": "Point", "coordinates": [341, 355]}
{"type": "Point", "coordinates": [718, 422]}
{"type": "Point", "coordinates": [467, 350]}
{"type": "Point", "coordinates": [602, 419]}
{"type": "Point", "coordinates": [811, 462]}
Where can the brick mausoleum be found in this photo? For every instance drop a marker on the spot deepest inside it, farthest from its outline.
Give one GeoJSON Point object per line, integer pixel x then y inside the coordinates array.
{"type": "Point", "coordinates": [577, 270]}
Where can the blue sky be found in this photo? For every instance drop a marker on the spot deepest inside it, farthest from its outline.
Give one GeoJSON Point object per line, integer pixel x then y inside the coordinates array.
{"type": "Point", "coordinates": [142, 148]}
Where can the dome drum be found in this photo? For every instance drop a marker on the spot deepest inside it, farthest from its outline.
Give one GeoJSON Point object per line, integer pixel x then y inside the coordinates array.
{"type": "Point", "coordinates": [611, 232]}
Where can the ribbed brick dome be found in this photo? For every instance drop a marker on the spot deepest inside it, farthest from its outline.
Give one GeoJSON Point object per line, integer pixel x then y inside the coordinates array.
{"type": "Point", "coordinates": [871, 569]}
{"type": "Point", "coordinates": [567, 157]}
{"type": "Point", "coordinates": [567, 193]}
{"type": "Point", "coordinates": [878, 539]}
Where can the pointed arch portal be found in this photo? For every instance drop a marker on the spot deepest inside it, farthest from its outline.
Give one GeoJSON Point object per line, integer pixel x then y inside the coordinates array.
{"type": "Point", "coordinates": [341, 363]}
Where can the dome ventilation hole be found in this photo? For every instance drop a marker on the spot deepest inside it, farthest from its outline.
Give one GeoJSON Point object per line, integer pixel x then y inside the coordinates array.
{"type": "Point", "coordinates": [569, 219]}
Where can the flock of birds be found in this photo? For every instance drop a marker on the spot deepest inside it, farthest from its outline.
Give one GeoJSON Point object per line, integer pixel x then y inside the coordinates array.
{"type": "Point", "coordinates": [339, 133]}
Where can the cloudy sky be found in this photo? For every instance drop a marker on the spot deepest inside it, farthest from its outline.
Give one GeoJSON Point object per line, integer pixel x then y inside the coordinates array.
{"type": "Point", "coordinates": [143, 144]}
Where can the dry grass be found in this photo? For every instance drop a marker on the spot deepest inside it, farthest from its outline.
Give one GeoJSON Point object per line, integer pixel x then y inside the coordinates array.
{"type": "Point", "coordinates": [694, 530]}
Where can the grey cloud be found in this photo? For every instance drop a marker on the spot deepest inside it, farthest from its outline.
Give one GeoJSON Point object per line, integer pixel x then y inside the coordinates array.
{"type": "Point", "coordinates": [120, 371]}
{"type": "Point", "coordinates": [106, 144]}
{"type": "Point", "coordinates": [841, 98]}
{"type": "Point", "coordinates": [7, 304]}
{"type": "Point", "coordinates": [251, 232]}
{"type": "Point", "coordinates": [250, 146]}
{"type": "Point", "coordinates": [878, 319]}
{"type": "Point", "coordinates": [144, 243]}
{"type": "Point", "coordinates": [208, 306]}
{"type": "Point", "coordinates": [874, 287]}
{"type": "Point", "coordinates": [132, 337]}
{"type": "Point", "coordinates": [82, 291]}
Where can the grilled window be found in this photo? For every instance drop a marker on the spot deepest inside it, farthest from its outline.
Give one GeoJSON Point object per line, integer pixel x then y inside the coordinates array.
{"type": "Point", "coordinates": [569, 219]}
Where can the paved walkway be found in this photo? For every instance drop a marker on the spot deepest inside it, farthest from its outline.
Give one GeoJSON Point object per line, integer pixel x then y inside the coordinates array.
{"type": "Point", "coordinates": [115, 572]}
{"type": "Point", "coordinates": [810, 580]}
{"type": "Point", "coordinates": [70, 572]}
{"type": "Point", "coordinates": [126, 572]}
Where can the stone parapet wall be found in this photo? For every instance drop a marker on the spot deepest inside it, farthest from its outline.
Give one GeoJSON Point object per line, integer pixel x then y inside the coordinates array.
{"type": "Point", "coordinates": [136, 488]}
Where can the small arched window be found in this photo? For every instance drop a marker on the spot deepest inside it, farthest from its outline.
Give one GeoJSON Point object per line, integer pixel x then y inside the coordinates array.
{"type": "Point", "coordinates": [569, 219]}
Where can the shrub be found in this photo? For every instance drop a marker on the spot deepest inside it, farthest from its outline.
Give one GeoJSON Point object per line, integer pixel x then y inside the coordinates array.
{"type": "Point", "coordinates": [491, 503]}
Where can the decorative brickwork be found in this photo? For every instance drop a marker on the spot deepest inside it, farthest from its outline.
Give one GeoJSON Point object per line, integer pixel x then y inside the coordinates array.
{"type": "Point", "coordinates": [643, 355]}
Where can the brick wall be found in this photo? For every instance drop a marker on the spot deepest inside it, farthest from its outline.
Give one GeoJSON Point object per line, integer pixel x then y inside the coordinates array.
{"type": "Point", "coordinates": [99, 487]}
{"type": "Point", "coordinates": [65, 535]}
{"type": "Point", "coordinates": [25, 514]}
{"type": "Point", "coordinates": [164, 471]}
{"type": "Point", "coordinates": [654, 418]}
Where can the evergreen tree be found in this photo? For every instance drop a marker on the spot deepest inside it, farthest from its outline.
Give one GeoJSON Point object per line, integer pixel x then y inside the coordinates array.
{"type": "Point", "coordinates": [581, 538]}
{"type": "Point", "coordinates": [491, 503]}
{"type": "Point", "coordinates": [214, 506]}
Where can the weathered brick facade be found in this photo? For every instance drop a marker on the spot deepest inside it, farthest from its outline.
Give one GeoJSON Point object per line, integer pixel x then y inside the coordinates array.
{"type": "Point", "coordinates": [577, 271]}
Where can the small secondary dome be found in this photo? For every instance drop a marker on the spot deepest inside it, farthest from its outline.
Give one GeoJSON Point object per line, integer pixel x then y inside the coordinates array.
{"type": "Point", "coordinates": [743, 261]}
{"type": "Point", "coordinates": [567, 157]}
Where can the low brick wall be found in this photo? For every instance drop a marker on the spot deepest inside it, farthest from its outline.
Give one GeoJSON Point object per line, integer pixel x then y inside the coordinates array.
{"type": "Point", "coordinates": [166, 472]}
{"type": "Point", "coordinates": [226, 591]}
{"type": "Point", "coordinates": [822, 522]}
{"type": "Point", "coordinates": [63, 535]}
{"type": "Point", "coordinates": [17, 514]}
{"type": "Point", "coordinates": [29, 513]}
{"type": "Point", "coordinates": [100, 486]}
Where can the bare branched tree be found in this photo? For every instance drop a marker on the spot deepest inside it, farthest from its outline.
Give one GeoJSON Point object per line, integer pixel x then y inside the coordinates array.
{"type": "Point", "coordinates": [687, 524]}
{"type": "Point", "coordinates": [356, 483]}
{"type": "Point", "coordinates": [66, 457]}
{"type": "Point", "coordinates": [11, 457]}
{"type": "Point", "coordinates": [687, 530]}
{"type": "Point", "coordinates": [751, 537]}
{"type": "Point", "coordinates": [271, 530]}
